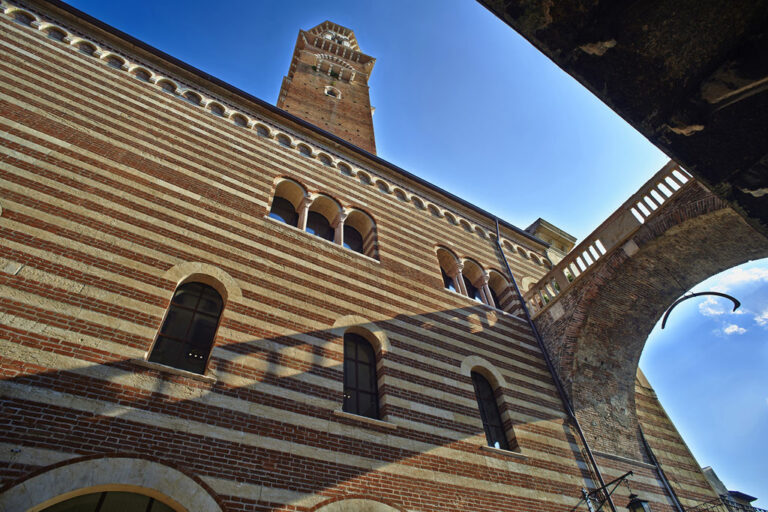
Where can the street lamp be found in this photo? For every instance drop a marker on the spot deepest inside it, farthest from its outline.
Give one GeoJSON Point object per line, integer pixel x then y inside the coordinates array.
{"type": "Point", "coordinates": [637, 505]}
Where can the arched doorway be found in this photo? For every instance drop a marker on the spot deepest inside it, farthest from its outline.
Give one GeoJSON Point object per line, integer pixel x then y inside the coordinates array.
{"type": "Point", "coordinates": [110, 501]}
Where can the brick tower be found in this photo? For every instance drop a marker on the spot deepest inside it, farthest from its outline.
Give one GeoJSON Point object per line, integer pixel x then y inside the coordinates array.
{"type": "Point", "coordinates": [327, 84]}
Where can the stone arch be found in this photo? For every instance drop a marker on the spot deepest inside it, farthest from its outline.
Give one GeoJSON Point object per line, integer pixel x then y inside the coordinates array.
{"type": "Point", "coordinates": [364, 178]}
{"type": "Point", "coordinates": [262, 130]}
{"type": "Point", "coordinates": [526, 283]}
{"type": "Point", "coordinates": [22, 17]}
{"type": "Point", "coordinates": [466, 225]}
{"type": "Point", "coordinates": [383, 186]}
{"type": "Point", "coordinates": [418, 202]}
{"type": "Point", "coordinates": [347, 504]}
{"type": "Point", "coordinates": [284, 140]}
{"type": "Point", "coordinates": [168, 86]}
{"type": "Point", "coordinates": [364, 224]}
{"type": "Point", "coordinates": [400, 194]}
{"type": "Point", "coordinates": [504, 294]}
{"type": "Point", "coordinates": [325, 159]}
{"type": "Point", "coordinates": [141, 73]}
{"type": "Point", "coordinates": [489, 371]}
{"type": "Point", "coordinates": [118, 473]}
{"type": "Point", "coordinates": [345, 169]}
{"type": "Point", "coordinates": [304, 150]}
{"type": "Point", "coordinates": [434, 210]}
{"type": "Point", "coordinates": [208, 274]}
{"type": "Point", "coordinates": [54, 32]}
{"type": "Point", "coordinates": [612, 307]}
{"type": "Point", "coordinates": [474, 275]}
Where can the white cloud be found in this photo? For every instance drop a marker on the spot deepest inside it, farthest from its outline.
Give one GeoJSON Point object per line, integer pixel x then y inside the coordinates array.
{"type": "Point", "coordinates": [711, 307]}
{"type": "Point", "coordinates": [734, 329]}
{"type": "Point", "coordinates": [739, 276]}
{"type": "Point", "coordinates": [762, 319]}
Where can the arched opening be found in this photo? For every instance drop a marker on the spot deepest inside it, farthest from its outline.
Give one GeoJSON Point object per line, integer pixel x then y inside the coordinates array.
{"type": "Point", "coordinates": [142, 74]}
{"type": "Point", "coordinates": [262, 131]}
{"type": "Point", "coordinates": [86, 48]}
{"type": "Point", "coordinates": [55, 34]}
{"type": "Point", "coordinates": [283, 140]}
{"type": "Point", "coordinates": [324, 159]}
{"type": "Point", "coordinates": [110, 501]}
{"type": "Point", "coordinates": [449, 269]}
{"type": "Point", "coordinates": [360, 233]}
{"type": "Point", "coordinates": [501, 291]}
{"type": "Point", "coordinates": [187, 335]}
{"type": "Point", "coordinates": [495, 433]}
{"type": "Point", "coordinates": [361, 394]}
{"type": "Point", "coordinates": [240, 120]}
{"type": "Point", "coordinates": [116, 62]}
{"type": "Point", "coordinates": [167, 86]}
{"type": "Point", "coordinates": [193, 98]}
{"type": "Point", "coordinates": [23, 18]}
{"type": "Point", "coordinates": [323, 217]}
{"type": "Point", "coordinates": [474, 279]}
{"type": "Point", "coordinates": [287, 202]}
{"type": "Point", "coordinates": [216, 109]}
{"type": "Point", "coordinates": [304, 150]}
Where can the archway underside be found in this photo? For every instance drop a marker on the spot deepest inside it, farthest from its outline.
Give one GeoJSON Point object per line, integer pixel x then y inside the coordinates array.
{"type": "Point", "coordinates": [604, 321]}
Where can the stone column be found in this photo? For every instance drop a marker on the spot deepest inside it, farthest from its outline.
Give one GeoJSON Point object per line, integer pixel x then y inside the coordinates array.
{"type": "Point", "coordinates": [338, 227]}
{"type": "Point", "coordinates": [303, 211]}
{"type": "Point", "coordinates": [486, 290]}
{"type": "Point", "coordinates": [458, 279]}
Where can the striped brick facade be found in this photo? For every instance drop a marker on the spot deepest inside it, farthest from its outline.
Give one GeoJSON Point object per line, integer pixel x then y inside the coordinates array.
{"type": "Point", "coordinates": [114, 189]}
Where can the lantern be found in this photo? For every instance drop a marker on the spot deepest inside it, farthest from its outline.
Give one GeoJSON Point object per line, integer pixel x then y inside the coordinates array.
{"type": "Point", "coordinates": [637, 505]}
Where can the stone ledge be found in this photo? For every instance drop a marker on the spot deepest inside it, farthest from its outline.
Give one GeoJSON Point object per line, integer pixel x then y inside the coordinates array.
{"type": "Point", "coordinates": [175, 371]}
{"type": "Point", "coordinates": [365, 419]}
{"type": "Point", "coordinates": [506, 453]}
{"type": "Point", "coordinates": [625, 460]}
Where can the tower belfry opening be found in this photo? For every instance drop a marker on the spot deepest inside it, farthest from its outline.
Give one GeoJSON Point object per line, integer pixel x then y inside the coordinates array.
{"type": "Point", "coordinates": [327, 84]}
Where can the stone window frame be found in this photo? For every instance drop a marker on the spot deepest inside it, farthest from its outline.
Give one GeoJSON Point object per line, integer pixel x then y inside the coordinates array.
{"type": "Point", "coordinates": [332, 92]}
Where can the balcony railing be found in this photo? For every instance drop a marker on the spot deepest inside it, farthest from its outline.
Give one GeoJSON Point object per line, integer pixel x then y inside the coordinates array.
{"type": "Point", "coordinates": [724, 504]}
{"type": "Point", "coordinates": [622, 224]}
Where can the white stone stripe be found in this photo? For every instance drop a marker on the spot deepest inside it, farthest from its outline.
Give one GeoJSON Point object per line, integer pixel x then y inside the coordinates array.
{"type": "Point", "coordinates": [56, 398]}
{"type": "Point", "coordinates": [11, 453]}
{"type": "Point", "coordinates": [257, 492]}
{"type": "Point", "coordinates": [472, 242]}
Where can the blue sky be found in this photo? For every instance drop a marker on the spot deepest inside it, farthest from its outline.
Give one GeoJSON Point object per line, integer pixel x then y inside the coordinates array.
{"type": "Point", "coordinates": [464, 102]}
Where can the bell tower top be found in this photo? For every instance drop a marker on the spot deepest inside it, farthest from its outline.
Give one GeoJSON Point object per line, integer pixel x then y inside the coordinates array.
{"type": "Point", "coordinates": [327, 84]}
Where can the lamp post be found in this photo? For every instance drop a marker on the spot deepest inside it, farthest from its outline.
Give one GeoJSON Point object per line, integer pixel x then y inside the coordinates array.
{"type": "Point", "coordinates": [637, 505]}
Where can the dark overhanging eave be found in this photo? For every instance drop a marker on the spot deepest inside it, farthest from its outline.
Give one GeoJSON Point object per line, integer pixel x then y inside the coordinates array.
{"type": "Point", "coordinates": [282, 113]}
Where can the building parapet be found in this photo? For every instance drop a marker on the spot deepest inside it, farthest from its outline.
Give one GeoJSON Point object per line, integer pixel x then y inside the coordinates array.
{"type": "Point", "coordinates": [614, 232]}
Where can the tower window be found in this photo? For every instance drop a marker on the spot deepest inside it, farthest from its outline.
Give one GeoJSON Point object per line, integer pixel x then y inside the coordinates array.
{"type": "Point", "coordinates": [360, 388]}
{"type": "Point", "coordinates": [332, 92]}
{"type": "Point", "coordinates": [186, 337]}
{"type": "Point", "coordinates": [489, 412]}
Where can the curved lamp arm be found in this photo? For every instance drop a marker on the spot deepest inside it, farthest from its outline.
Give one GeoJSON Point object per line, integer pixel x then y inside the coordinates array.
{"type": "Point", "coordinates": [736, 303]}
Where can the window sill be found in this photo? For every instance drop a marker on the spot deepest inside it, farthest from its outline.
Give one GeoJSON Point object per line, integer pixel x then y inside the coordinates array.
{"type": "Point", "coordinates": [365, 419]}
{"type": "Point", "coordinates": [506, 453]}
{"type": "Point", "coordinates": [326, 242]}
{"type": "Point", "coordinates": [484, 305]}
{"type": "Point", "coordinates": [174, 371]}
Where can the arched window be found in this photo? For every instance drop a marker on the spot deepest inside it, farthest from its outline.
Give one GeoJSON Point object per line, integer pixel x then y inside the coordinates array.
{"type": "Point", "coordinates": [115, 62]}
{"type": "Point", "coordinates": [360, 233]}
{"type": "Point", "coordinates": [216, 109]}
{"type": "Point", "coordinates": [322, 217]}
{"type": "Point", "coordinates": [449, 266]}
{"type": "Point", "coordinates": [109, 501]}
{"type": "Point", "coordinates": [142, 74]}
{"type": "Point", "coordinates": [473, 280]}
{"type": "Point", "coordinates": [283, 140]}
{"type": "Point", "coordinates": [489, 412]}
{"type": "Point", "coordinates": [186, 337]}
{"type": "Point", "coordinates": [287, 201]}
{"type": "Point", "coordinates": [23, 18]}
{"type": "Point", "coordinates": [262, 131]}
{"type": "Point", "coordinates": [360, 386]}
{"type": "Point", "coordinates": [501, 291]}
{"type": "Point", "coordinates": [239, 120]}
{"type": "Point", "coordinates": [167, 86]}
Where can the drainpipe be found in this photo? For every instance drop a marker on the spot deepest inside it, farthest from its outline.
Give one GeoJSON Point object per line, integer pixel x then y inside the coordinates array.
{"type": "Point", "coordinates": [551, 367]}
{"type": "Point", "coordinates": [664, 480]}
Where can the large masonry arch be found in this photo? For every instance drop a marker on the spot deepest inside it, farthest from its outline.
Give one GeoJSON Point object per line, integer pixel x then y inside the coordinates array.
{"type": "Point", "coordinates": [595, 330]}
{"type": "Point", "coordinates": [84, 476]}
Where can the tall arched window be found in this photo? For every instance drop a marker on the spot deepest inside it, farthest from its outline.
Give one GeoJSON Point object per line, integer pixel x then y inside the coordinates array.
{"type": "Point", "coordinates": [489, 412]}
{"type": "Point", "coordinates": [186, 337]}
{"type": "Point", "coordinates": [360, 386]}
{"type": "Point", "coordinates": [323, 217]}
{"type": "Point", "coordinates": [360, 233]}
{"type": "Point", "coordinates": [449, 269]}
{"type": "Point", "coordinates": [287, 201]}
{"type": "Point", "coordinates": [473, 280]}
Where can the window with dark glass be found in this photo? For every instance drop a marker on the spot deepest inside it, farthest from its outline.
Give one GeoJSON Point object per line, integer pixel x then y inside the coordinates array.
{"type": "Point", "coordinates": [489, 412]}
{"type": "Point", "coordinates": [360, 391]}
{"type": "Point", "coordinates": [318, 225]}
{"type": "Point", "coordinates": [472, 291]}
{"type": "Point", "coordinates": [283, 210]}
{"type": "Point", "coordinates": [110, 501]}
{"type": "Point", "coordinates": [186, 337]}
{"type": "Point", "coordinates": [353, 239]}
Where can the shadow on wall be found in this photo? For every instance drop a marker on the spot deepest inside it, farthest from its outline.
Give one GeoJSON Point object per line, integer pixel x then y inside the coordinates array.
{"type": "Point", "coordinates": [271, 425]}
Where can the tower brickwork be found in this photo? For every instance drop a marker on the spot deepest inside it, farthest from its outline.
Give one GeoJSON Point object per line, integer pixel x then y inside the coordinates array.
{"type": "Point", "coordinates": [327, 84]}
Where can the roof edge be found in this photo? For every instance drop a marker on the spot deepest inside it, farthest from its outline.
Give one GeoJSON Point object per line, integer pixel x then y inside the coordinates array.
{"type": "Point", "coordinates": [282, 113]}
